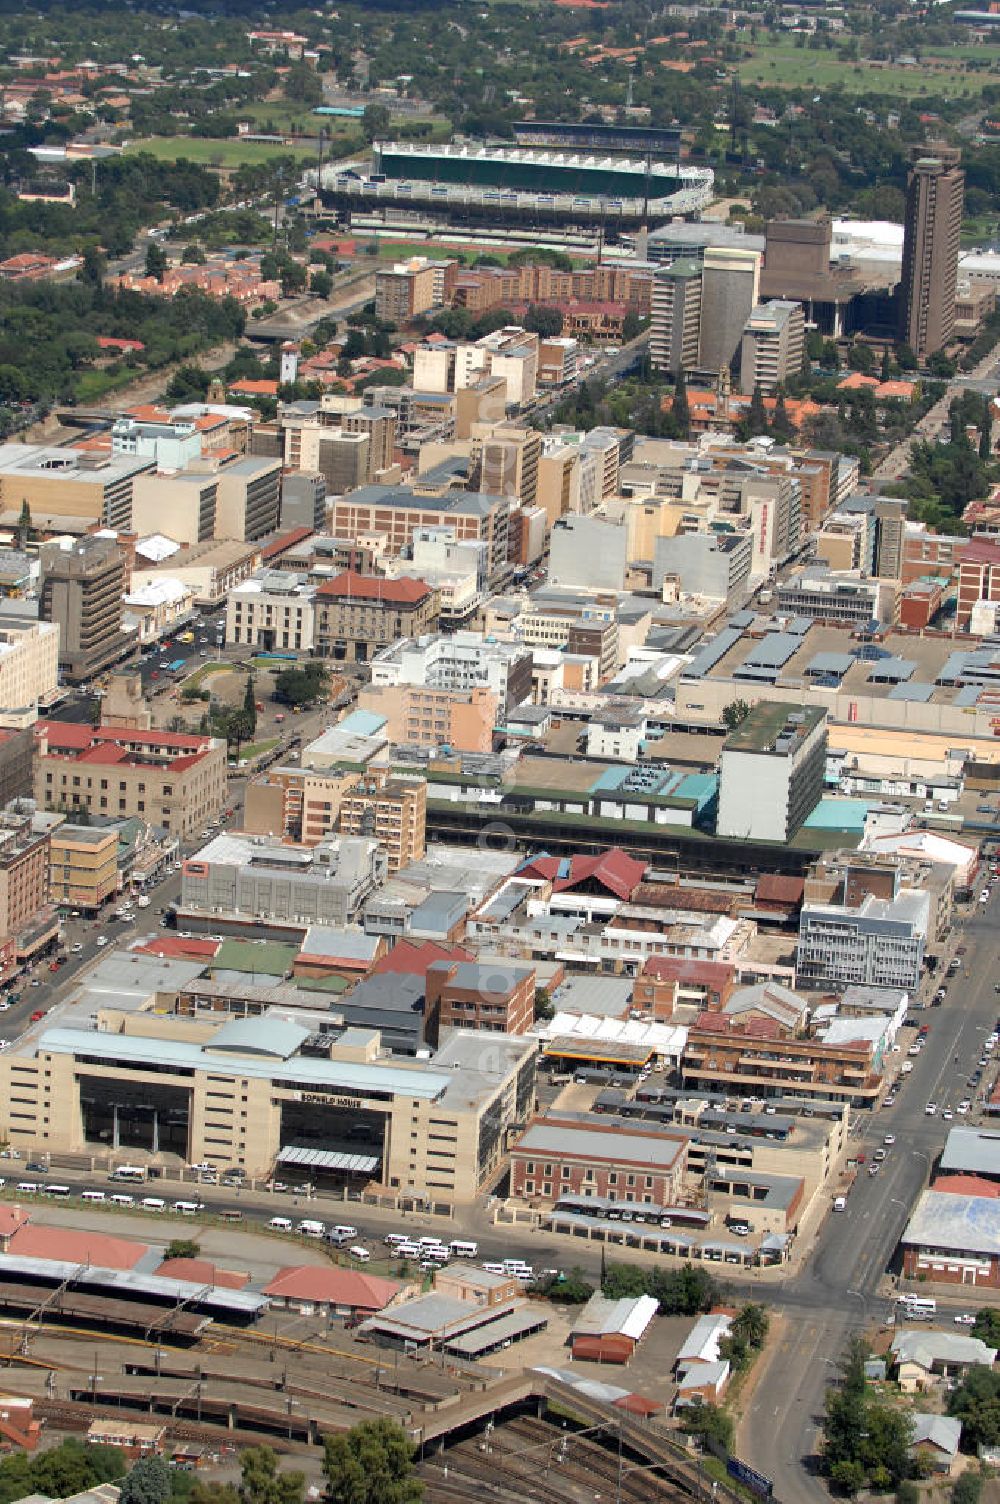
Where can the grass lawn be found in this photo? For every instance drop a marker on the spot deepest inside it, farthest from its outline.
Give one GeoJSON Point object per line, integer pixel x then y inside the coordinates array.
{"type": "Point", "coordinates": [231, 153]}
{"type": "Point", "coordinates": [779, 61]}
{"type": "Point", "coordinates": [91, 385]}
{"type": "Point", "coordinates": [199, 676]}
{"type": "Point", "coordinates": [250, 750]}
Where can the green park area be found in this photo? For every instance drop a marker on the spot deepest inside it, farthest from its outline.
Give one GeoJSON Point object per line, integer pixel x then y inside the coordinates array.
{"type": "Point", "coordinates": [211, 153]}
{"type": "Point", "coordinates": [949, 71]}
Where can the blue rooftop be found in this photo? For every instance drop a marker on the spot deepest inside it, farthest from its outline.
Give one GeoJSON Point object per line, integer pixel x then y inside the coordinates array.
{"type": "Point", "coordinates": [839, 814]}
{"type": "Point", "coordinates": [362, 723]}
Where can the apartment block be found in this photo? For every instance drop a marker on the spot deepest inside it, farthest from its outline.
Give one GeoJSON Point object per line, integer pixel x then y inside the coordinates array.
{"type": "Point", "coordinates": [557, 360]}
{"type": "Point", "coordinates": [271, 611]}
{"type": "Point", "coordinates": [490, 997]}
{"type": "Point", "coordinates": [165, 777]}
{"type": "Point", "coordinates": [29, 669]}
{"type": "Point", "coordinates": [463, 720]}
{"type": "Point", "coordinates": [411, 287]}
{"type": "Point", "coordinates": [508, 461]}
{"type": "Point", "coordinates": [756, 1058]}
{"type": "Point", "coordinates": [978, 576]}
{"type": "Point", "coordinates": [935, 194]}
{"type": "Point", "coordinates": [715, 565]}
{"type": "Point", "coordinates": [391, 809]}
{"type": "Point", "coordinates": [303, 500]}
{"type": "Point", "coordinates": [357, 614]}
{"type": "Point", "coordinates": [829, 597]}
{"type": "Point", "coordinates": [82, 583]}
{"type": "Point", "coordinates": [83, 865]}
{"type": "Point", "coordinates": [379, 424]}
{"type": "Point", "coordinates": [772, 346]}
{"type": "Point", "coordinates": [675, 328]}
{"type": "Point", "coordinates": [27, 920]}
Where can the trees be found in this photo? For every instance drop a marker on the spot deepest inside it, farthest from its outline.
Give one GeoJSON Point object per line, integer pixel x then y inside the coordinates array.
{"type": "Point", "coordinates": [375, 122]}
{"type": "Point", "coordinates": [572, 1288]}
{"type": "Point", "coordinates": [250, 705]}
{"type": "Point", "coordinates": [745, 1337]}
{"type": "Point", "coordinates": [544, 321]}
{"type": "Point", "coordinates": [156, 261]}
{"type": "Point", "coordinates": [976, 1402]}
{"type": "Point", "coordinates": [987, 1326]}
{"type": "Point", "coordinates": [149, 1482]}
{"type": "Point", "coordinates": [60, 1471]}
{"type": "Point", "coordinates": [320, 284]}
{"type": "Point", "coordinates": [735, 714]}
{"type": "Point", "coordinates": [680, 408]}
{"type": "Point", "coordinates": [712, 1425]}
{"type": "Point", "coordinates": [681, 1292]}
{"type": "Point", "coordinates": [261, 1483]}
{"type": "Point", "coordinates": [756, 419]}
{"type": "Point", "coordinates": [302, 684]}
{"type": "Point", "coordinates": [371, 1464]}
{"type": "Point", "coordinates": [865, 1442]}
{"type": "Point", "coordinates": [183, 1248]}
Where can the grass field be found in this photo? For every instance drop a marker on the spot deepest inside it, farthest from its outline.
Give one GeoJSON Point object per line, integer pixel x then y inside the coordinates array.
{"type": "Point", "coordinates": [779, 61]}
{"type": "Point", "coordinates": [232, 153]}
{"type": "Point", "coordinates": [257, 749]}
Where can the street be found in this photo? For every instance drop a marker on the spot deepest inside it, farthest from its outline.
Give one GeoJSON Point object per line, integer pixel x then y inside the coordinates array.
{"type": "Point", "coordinates": [838, 1290]}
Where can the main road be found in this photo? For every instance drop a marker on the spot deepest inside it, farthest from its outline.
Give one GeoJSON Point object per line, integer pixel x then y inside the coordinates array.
{"type": "Point", "coordinates": [840, 1289]}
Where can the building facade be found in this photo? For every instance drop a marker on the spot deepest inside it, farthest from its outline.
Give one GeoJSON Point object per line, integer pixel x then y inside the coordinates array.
{"type": "Point", "coordinates": [82, 585]}
{"type": "Point", "coordinates": [771, 772]}
{"type": "Point", "coordinates": [935, 194]}
{"type": "Point", "coordinates": [358, 614]}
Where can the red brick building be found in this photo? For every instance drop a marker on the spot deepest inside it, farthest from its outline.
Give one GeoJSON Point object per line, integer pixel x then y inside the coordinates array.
{"type": "Point", "coordinates": [978, 576]}
{"type": "Point", "coordinates": [930, 553]}
{"type": "Point", "coordinates": [919, 603]}
{"type": "Point", "coordinates": [561, 1157]}
{"type": "Point", "coordinates": [667, 981]}
{"type": "Point", "coordinates": [494, 997]}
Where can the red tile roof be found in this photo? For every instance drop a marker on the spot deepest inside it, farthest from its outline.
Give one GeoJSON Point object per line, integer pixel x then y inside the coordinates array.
{"type": "Point", "coordinates": [284, 542]}
{"type": "Point", "coordinates": [413, 958]}
{"type": "Point", "coordinates": [685, 969]}
{"type": "Point", "coordinates": [174, 948]}
{"type": "Point", "coordinates": [11, 1218]}
{"type": "Point", "coordinates": [75, 1246]}
{"type": "Point", "coordinates": [773, 887]}
{"type": "Point", "coordinates": [749, 1028]}
{"type": "Point", "coordinates": [980, 551]}
{"type": "Point", "coordinates": [368, 587]}
{"type": "Point", "coordinates": [71, 736]}
{"type": "Point", "coordinates": [108, 342]}
{"type": "Point", "coordinates": [202, 1272]}
{"type": "Point", "coordinates": [615, 870]}
{"type": "Point", "coordinates": [326, 1286]}
{"type": "Point", "coordinates": [967, 1185]}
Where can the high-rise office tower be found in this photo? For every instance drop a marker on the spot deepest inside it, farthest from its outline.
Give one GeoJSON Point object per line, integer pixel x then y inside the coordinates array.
{"type": "Point", "coordinates": [934, 196]}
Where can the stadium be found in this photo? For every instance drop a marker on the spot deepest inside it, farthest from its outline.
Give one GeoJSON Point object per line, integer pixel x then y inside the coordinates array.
{"type": "Point", "coordinates": [470, 183]}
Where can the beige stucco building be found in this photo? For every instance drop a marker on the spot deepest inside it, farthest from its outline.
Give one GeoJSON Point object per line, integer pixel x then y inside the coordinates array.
{"type": "Point", "coordinates": [29, 662]}
{"type": "Point", "coordinates": [144, 1086]}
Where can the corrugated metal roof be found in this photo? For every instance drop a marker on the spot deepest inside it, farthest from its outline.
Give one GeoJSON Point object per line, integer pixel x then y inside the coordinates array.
{"type": "Point", "coordinates": [917, 692]}
{"type": "Point", "coordinates": [329, 1159]}
{"type": "Point", "coordinates": [127, 1280]}
{"type": "Point", "coordinates": [773, 651]}
{"type": "Point", "coordinates": [602, 1317]}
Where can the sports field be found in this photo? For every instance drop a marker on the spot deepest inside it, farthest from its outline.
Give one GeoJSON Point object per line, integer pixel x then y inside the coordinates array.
{"type": "Point", "coordinates": [777, 61]}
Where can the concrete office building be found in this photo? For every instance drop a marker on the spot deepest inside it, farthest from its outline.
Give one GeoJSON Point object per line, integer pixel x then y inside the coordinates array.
{"type": "Point", "coordinates": [379, 424]}
{"type": "Point", "coordinates": [682, 239]}
{"type": "Point", "coordinates": [29, 671]}
{"type": "Point", "coordinates": [715, 565]}
{"type": "Point", "coordinates": [415, 716]}
{"type": "Point", "coordinates": [772, 346]}
{"type": "Point", "coordinates": [797, 265]}
{"type": "Point", "coordinates": [83, 865]}
{"type": "Point", "coordinates": [396, 512]}
{"type": "Point", "coordinates": [460, 661]}
{"type": "Point", "coordinates": [588, 552]}
{"type": "Point", "coordinates": [16, 761]}
{"type": "Point", "coordinates": [183, 506]}
{"type": "Point", "coordinates": [508, 462]}
{"type": "Point", "coordinates": [249, 498]}
{"type": "Point", "coordinates": [77, 488]}
{"type": "Point", "coordinates": [164, 777]}
{"type": "Point", "coordinates": [771, 772]}
{"type": "Point", "coordinates": [303, 500]}
{"type": "Point", "coordinates": [272, 611]}
{"type": "Point", "coordinates": [935, 194]}
{"type": "Point", "coordinates": [829, 597]}
{"type": "Point", "coordinates": [261, 880]}
{"type": "Point", "coordinates": [254, 1093]}
{"type": "Point", "coordinates": [675, 328]}
{"type": "Point", "coordinates": [730, 290]}
{"type": "Point", "coordinates": [82, 584]}
{"type": "Point", "coordinates": [879, 943]}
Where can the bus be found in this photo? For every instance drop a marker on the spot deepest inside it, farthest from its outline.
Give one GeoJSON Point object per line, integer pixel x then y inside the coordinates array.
{"type": "Point", "coordinates": [58, 1191]}
{"type": "Point", "coordinates": [918, 1307]}
{"type": "Point", "coordinates": [135, 1173]}
{"type": "Point", "coordinates": [176, 666]}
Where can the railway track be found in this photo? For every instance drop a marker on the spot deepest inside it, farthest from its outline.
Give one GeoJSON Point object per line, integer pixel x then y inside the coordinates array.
{"type": "Point", "coordinates": [533, 1459]}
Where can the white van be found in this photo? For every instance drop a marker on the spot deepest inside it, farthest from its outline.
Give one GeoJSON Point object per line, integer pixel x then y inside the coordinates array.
{"type": "Point", "coordinates": [840, 1203]}
{"type": "Point", "coordinates": [429, 1242]}
{"type": "Point", "coordinates": [187, 1208]}
{"type": "Point", "coordinates": [460, 1250]}
{"type": "Point", "coordinates": [312, 1229]}
{"type": "Point", "coordinates": [280, 1224]}
{"type": "Point", "coordinates": [27, 1188]}
{"type": "Point", "coordinates": [394, 1239]}
{"type": "Point", "coordinates": [494, 1268]}
{"type": "Point", "coordinates": [344, 1230]}
{"type": "Point", "coordinates": [128, 1172]}
{"type": "Point", "coordinates": [153, 1204]}
{"type": "Point", "coordinates": [409, 1250]}
{"type": "Point", "coordinates": [916, 1306]}
{"type": "Point", "coordinates": [122, 1200]}
{"type": "Point", "coordinates": [93, 1196]}
{"type": "Point", "coordinates": [361, 1254]}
